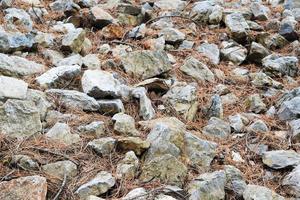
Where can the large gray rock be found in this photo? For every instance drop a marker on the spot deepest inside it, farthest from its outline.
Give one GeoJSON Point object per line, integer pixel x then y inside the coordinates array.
{"type": "Point", "coordinates": [295, 129]}
{"type": "Point", "coordinates": [257, 53]}
{"type": "Point", "coordinates": [135, 144]}
{"type": "Point", "coordinates": [124, 124]}
{"type": "Point", "coordinates": [100, 18]}
{"type": "Point", "coordinates": [73, 40]}
{"type": "Point", "coordinates": [58, 76]}
{"type": "Point", "coordinates": [12, 88]}
{"type": "Point", "coordinates": [238, 26]}
{"type": "Point", "coordinates": [40, 100]}
{"type": "Point", "coordinates": [18, 66]}
{"type": "Point", "coordinates": [211, 51]}
{"type": "Point", "coordinates": [206, 12]}
{"type": "Point", "coordinates": [19, 118]}
{"type": "Point", "coordinates": [255, 104]}
{"type": "Point", "coordinates": [234, 180]}
{"type": "Point", "coordinates": [281, 65]}
{"type": "Point", "coordinates": [146, 64]}
{"type": "Point", "coordinates": [279, 159]}
{"type": "Point", "coordinates": [61, 132]}
{"type": "Point", "coordinates": [208, 186]}
{"type": "Point", "coordinates": [73, 99]}
{"type": "Point", "coordinates": [182, 98]}
{"type": "Point", "coordinates": [110, 106]}
{"type": "Point", "coordinates": [146, 110]}
{"type": "Point", "coordinates": [233, 52]}
{"type": "Point", "coordinates": [197, 70]}
{"type": "Point", "coordinates": [94, 129]}
{"type": "Point", "coordinates": [290, 109]}
{"type": "Point", "coordinates": [103, 146]}
{"type": "Point", "coordinates": [259, 11]}
{"type": "Point", "coordinates": [165, 168]}
{"type": "Point", "coordinates": [17, 17]}
{"type": "Point", "coordinates": [15, 41]}
{"type": "Point", "coordinates": [172, 35]}
{"type": "Point", "coordinates": [74, 59]}
{"type": "Point", "coordinates": [292, 182]}
{"type": "Point", "coordinates": [217, 127]}
{"type": "Point", "coordinates": [199, 152]}
{"type": "Point", "coordinates": [100, 84]}
{"type": "Point", "coordinates": [256, 192]}
{"type": "Point", "coordinates": [100, 184]}
{"type": "Point", "coordinates": [60, 169]}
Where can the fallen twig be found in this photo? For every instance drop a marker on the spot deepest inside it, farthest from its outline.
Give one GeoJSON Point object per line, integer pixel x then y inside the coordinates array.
{"type": "Point", "coordinates": [61, 187]}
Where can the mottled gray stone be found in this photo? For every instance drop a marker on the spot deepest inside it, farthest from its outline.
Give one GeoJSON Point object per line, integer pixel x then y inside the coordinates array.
{"type": "Point", "coordinates": [61, 132]}
{"type": "Point", "coordinates": [256, 192]}
{"type": "Point", "coordinates": [217, 127]}
{"type": "Point", "coordinates": [103, 146]}
{"type": "Point", "coordinates": [12, 88]}
{"type": "Point", "coordinates": [279, 159]}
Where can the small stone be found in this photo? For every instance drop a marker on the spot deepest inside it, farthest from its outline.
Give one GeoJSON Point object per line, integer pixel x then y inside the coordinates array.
{"type": "Point", "coordinates": [100, 184]}
{"type": "Point", "coordinates": [262, 80]}
{"type": "Point", "coordinates": [100, 84]}
{"type": "Point", "coordinates": [12, 88]}
{"type": "Point", "coordinates": [256, 104]}
{"type": "Point", "coordinates": [279, 159]}
{"type": "Point", "coordinates": [73, 40]}
{"type": "Point", "coordinates": [233, 52]}
{"type": "Point", "coordinates": [211, 51]}
{"type": "Point", "coordinates": [208, 186]}
{"type": "Point", "coordinates": [124, 124]}
{"type": "Point", "coordinates": [256, 192]}
{"type": "Point", "coordinates": [100, 17]}
{"type": "Point", "coordinates": [24, 162]}
{"type": "Point", "coordinates": [29, 188]}
{"type": "Point", "coordinates": [290, 109]}
{"type": "Point", "coordinates": [201, 12]}
{"type": "Point", "coordinates": [284, 65]}
{"type": "Point", "coordinates": [136, 194]}
{"type": "Point", "coordinates": [135, 144]}
{"type": "Point", "coordinates": [258, 126]}
{"type": "Point", "coordinates": [62, 133]}
{"type": "Point", "coordinates": [74, 59]}
{"type": "Point", "coordinates": [110, 107]}
{"type": "Point", "coordinates": [18, 18]}
{"type": "Point", "coordinates": [288, 29]}
{"type": "Point", "coordinates": [292, 182]}
{"type": "Point", "coordinates": [234, 180]}
{"type": "Point", "coordinates": [103, 146]}
{"type": "Point", "coordinates": [147, 112]}
{"type": "Point", "coordinates": [238, 26]}
{"type": "Point", "coordinates": [60, 169]}
{"type": "Point", "coordinates": [236, 122]}
{"type": "Point", "coordinates": [172, 35]}
{"type": "Point", "coordinates": [15, 41]}
{"type": "Point", "coordinates": [53, 56]}
{"type": "Point", "coordinates": [217, 127]}
{"type": "Point", "coordinates": [259, 11]}
{"type": "Point", "coordinates": [169, 4]}
{"type": "Point", "coordinates": [215, 108]}
{"type": "Point", "coordinates": [295, 128]}
{"type": "Point", "coordinates": [127, 168]}
{"type": "Point", "coordinates": [257, 53]}
{"type": "Point", "coordinates": [95, 129]}
{"type": "Point", "coordinates": [58, 76]}
{"type": "Point", "coordinates": [91, 61]}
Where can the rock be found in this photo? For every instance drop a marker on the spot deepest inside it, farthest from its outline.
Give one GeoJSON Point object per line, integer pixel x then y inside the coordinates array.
{"type": "Point", "coordinates": [288, 29]}
{"type": "Point", "coordinates": [254, 26]}
{"type": "Point", "coordinates": [103, 146]}
{"type": "Point", "coordinates": [166, 137]}
{"type": "Point", "coordinates": [197, 70]}
{"type": "Point", "coordinates": [19, 118]}
{"type": "Point", "coordinates": [73, 40]}
{"type": "Point", "coordinates": [290, 109]}
{"type": "Point", "coordinates": [259, 11]}
{"type": "Point", "coordinates": [256, 192]}
{"type": "Point", "coordinates": [124, 124]}
{"type": "Point", "coordinates": [58, 76]}
{"type": "Point", "coordinates": [295, 128]}
{"type": "Point", "coordinates": [256, 104]}
{"type": "Point", "coordinates": [15, 41]}
{"type": "Point", "coordinates": [128, 167]}
{"type": "Point", "coordinates": [53, 56]}
{"type": "Point", "coordinates": [6, 3]}
{"type": "Point", "coordinates": [60, 169]}
{"type": "Point", "coordinates": [100, 184]}
{"type": "Point", "coordinates": [164, 197]}
{"type": "Point", "coordinates": [291, 181]}
{"type": "Point", "coordinates": [136, 194]}
{"type": "Point", "coordinates": [215, 108]}
{"type": "Point", "coordinates": [74, 99]}
{"type": "Point", "coordinates": [237, 26]}
{"type": "Point", "coordinates": [12, 88]}
{"type": "Point", "coordinates": [29, 188]}
{"type": "Point", "coordinates": [240, 74]}
{"type": "Point", "coordinates": [92, 197]}
{"type": "Point", "coordinates": [186, 44]}
{"type": "Point", "coordinates": [236, 122]}
{"type": "Point", "coordinates": [165, 168]}
{"type": "Point", "coordinates": [217, 127]}
{"type": "Point", "coordinates": [172, 35]}
{"type": "Point", "coordinates": [257, 53]}
{"type": "Point", "coordinates": [100, 84]}
{"type": "Point", "coordinates": [182, 98]}
{"type": "Point", "coordinates": [229, 99]}
{"type": "Point", "coordinates": [170, 4]}
{"type": "Point", "coordinates": [44, 39]}
{"type": "Point", "coordinates": [111, 107]}
{"type": "Point", "coordinates": [284, 65]}
{"type": "Point", "coordinates": [261, 80]}
{"type": "Point", "coordinates": [233, 52]}
{"type": "Point", "coordinates": [94, 129]}
{"type": "Point", "coordinates": [199, 152]}
{"type": "Point", "coordinates": [204, 12]}
{"type": "Point", "coordinates": [18, 66]}
{"type": "Point", "coordinates": [147, 112]}
{"type": "Point", "coordinates": [258, 126]}
{"type": "Point", "coordinates": [234, 180]}
{"type": "Point", "coordinates": [208, 186]}
{"type": "Point", "coordinates": [146, 64]}
{"type": "Point", "coordinates": [67, 6]}
{"type": "Point", "coordinates": [135, 144]}
{"type": "Point", "coordinates": [210, 51]}
{"type": "Point", "coordinates": [18, 17]}
{"type": "Point", "coordinates": [128, 8]}
{"type": "Point", "coordinates": [100, 18]}
{"type": "Point", "coordinates": [74, 59]}
{"type": "Point", "coordinates": [279, 159]}
{"type": "Point", "coordinates": [216, 15]}
{"type": "Point", "coordinates": [61, 132]}
{"type": "Point", "coordinates": [91, 61]}
{"type": "Point", "coordinates": [24, 162]}
{"type": "Point", "coordinates": [272, 42]}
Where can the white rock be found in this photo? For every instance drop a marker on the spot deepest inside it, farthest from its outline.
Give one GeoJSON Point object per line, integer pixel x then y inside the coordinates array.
{"type": "Point", "coordinates": [12, 88]}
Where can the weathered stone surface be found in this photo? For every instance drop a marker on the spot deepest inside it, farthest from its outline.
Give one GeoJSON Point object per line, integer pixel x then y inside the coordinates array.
{"type": "Point", "coordinates": [18, 66]}
{"type": "Point", "coordinates": [12, 88]}
{"type": "Point", "coordinates": [147, 112]}
{"type": "Point", "coordinates": [258, 126]}
{"type": "Point", "coordinates": [217, 127]}
{"type": "Point", "coordinates": [17, 17]}
{"type": "Point", "coordinates": [208, 186]}
{"type": "Point", "coordinates": [165, 168]}
{"type": "Point", "coordinates": [146, 64]}
{"type": "Point", "coordinates": [103, 146]}
{"type": "Point", "coordinates": [29, 188]}
{"type": "Point", "coordinates": [24, 161]}
{"type": "Point", "coordinates": [19, 118]}
{"type": "Point", "coordinates": [295, 129]}
{"type": "Point", "coordinates": [197, 70]}
{"type": "Point", "coordinates": [272, 42]}
{"type": "Point", "coordinates": [170, 4]}
{"type": "Point", "coordinates": [100, 84]}
{"type": "Point", "coordinates": [290, 109]}
{"type": "Point", "coordinates": [238, 26]}
{"type": "Point", "coordinates": [260, 11]}
{"type": "Point", "coordinates": [73, 40]}
{"type": "Point", "coordinates": [110, 107]}
{"type": "Point", "coordinates": [255, 104]}
{"type": "Point", "coordinates": [91, 61]}
{"type": "Point", "coordinates": [215, 108]}
{"type": "Point", "coordinates": [40, 100]}
{"type": "Point", "coordinates": [61, 132]}
{"type": "Point", "coordinates": [60, 169]}
{"type": "Point", "coordinates": [172, 35]}
{"type": "Point", "coordinates": [94, 129]}
{"type": "Point", "coordinates": [292, 182]}
{"type": "Point", "coordinates": [127, 168]}
{"type": "Point", "coordinates": [206, 11]}
{"type": "Point", "coordinates": [284, 65]}
{"type": "Point", "coordinates": [200, 152]}
{"type": "Point", "coordinates": [233, 52]}
{"type": "Point", "coordinates": [58, 76]}
{"type": "Point", "coordinates": [211, 51]}
{"type": "Point", "coordinates": [102, 182]}
{"type": "Point", "coordinates": [74, 59]}
{"type": "Point", "coordinates": [234, 180]}
{"type": "Point", "coordinates": [135, 144]}
{"type": "Point", "coordinates": [257, 52]}
{"type": "Point", "coordinates": [73, 99]}
{"type": "Point", "coordinates": [100, 17]}
{"type": "Point", "coordinates": [279, 159]}
{"type": "Point", "coordinates": [256, 192]}
{"type": "Point", "coordinates": [124, 124]}
{"type": "Point", "coordinates": [136, 194]}
{"type": "Point", "coordinates": [13, 41]}
{"type": "Point", "coordinates": [262, 80]}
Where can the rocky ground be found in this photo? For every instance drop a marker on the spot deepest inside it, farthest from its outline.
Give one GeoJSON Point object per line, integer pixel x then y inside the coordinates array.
{"type": "Point", "coordinates": [149, 99]}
